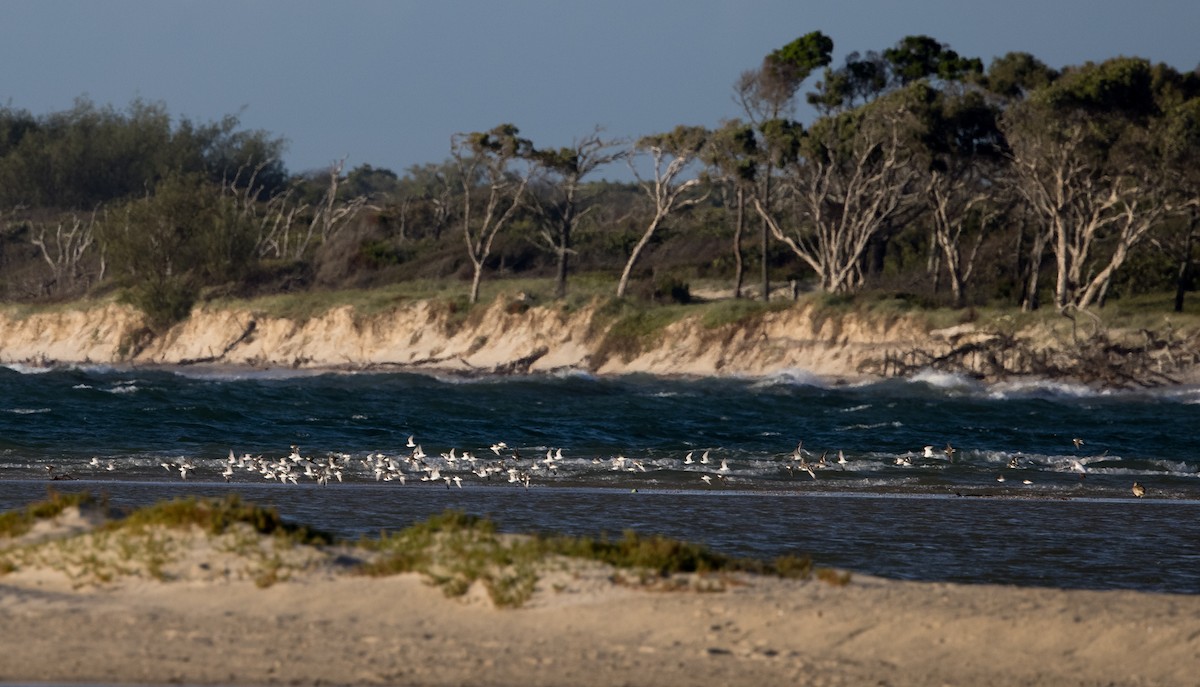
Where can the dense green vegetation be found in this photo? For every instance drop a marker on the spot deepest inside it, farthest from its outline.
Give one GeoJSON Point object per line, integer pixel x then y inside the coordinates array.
{"type": "Point", "coordinates": [925, 173]}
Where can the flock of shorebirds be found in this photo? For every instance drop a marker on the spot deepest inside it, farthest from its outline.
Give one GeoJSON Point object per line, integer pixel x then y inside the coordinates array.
{"type": "Point", "coordinates": [507, 464]}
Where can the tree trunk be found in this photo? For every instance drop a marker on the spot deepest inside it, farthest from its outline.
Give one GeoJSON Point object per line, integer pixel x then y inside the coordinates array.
{"type": "Point", "coordinates": [475, 280]}
{"type": "Point", "coordinates": [766, 279]}
{"type": "Point", "coordinates": [1185, 262]}
{"type": "Point", "coordinates": [1032, 301]}
{"type": "Point", "coordinates": [637, 250]}
{"type": "Point", "coordinates": [564, 256]}
{"type": "Point", "coordinates": [739, 225]}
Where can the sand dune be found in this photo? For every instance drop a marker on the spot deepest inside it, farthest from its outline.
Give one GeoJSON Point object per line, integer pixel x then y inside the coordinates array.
{"type": "Point", "coordinates": [208, 622]}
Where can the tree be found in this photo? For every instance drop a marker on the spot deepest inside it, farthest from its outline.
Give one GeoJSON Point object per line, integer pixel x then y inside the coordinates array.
{"type": "Point", "coordinates": [732, 158]}
{"type": "Point", "coordinates": [765, 95]}
{"type": "Point", "coordinates": [65, 253]}
{"type": "Point", "coordinates": [490, 157]}
{"type": "Point", "coordinates": [962, 150]}
{"type": "Point", "coordinates": [1179, 138]}
{"type": "Point", "coordinates": [852, 178]}
{"type": "Point", "coordinates": [1015, 74]}
{"type": "Point", "coordinates": [1066, 142]}
{"type": "Point", "coordinates": [168, 245]}
{"type": "Point", "coordinates": [671, 153]}
{"type": "Point", "coordinates": [558, 205]}
{"type": "Point", "coordinates": [920, 57]}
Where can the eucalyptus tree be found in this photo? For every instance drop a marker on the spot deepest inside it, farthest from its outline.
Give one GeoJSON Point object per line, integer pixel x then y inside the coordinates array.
{"type": "Point", "coordinates": [672, 155]}
{"type": "Point", "coordinates": [491, 157]}
{"type": "Point", "coordinates": [1095, 201]}
{"type": "Point", "coordinates": [962, 162]}
{"type": "Point", "coordinates": [915, 58]}
{"type": "Point", "coordinates": [732, 159]}
{"type": "Point", "coordinates": [767, 96]}
{"type": "Point", "coordinates": [853, 177]}
{"type": "Point", "coordinates": [1177, 140]}
{"type": "Point", "coordinates": [557, 202]}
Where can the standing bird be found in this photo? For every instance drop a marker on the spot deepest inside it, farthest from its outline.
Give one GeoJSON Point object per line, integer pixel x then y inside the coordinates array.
{"type": "Point", "coordinates": [1138, 490]}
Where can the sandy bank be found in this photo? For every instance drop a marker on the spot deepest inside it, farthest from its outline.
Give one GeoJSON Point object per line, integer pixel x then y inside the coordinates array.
{"type": "Point", "coordinates": [510, 336]}
{"type": "Point", "coordinates": [423, 335]}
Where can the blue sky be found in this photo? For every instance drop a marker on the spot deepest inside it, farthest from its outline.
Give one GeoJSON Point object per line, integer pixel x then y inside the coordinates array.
{"type": "Point", "coordinates": [387, 83]}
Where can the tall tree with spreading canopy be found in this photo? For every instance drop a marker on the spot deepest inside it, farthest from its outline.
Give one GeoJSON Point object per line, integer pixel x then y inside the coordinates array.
{"type": "Point", "coordinates": [558, 203]}
{"type": "Point", "coordinates": [732, 158]}
{"type": "Point", "coordinates": [1070, 146]}
{"type": "Point", "coordinates": [766, 95]}
{"type": "Point", "coordinates": [490, 157]}
{"type": "Point", "coordinates": [852, 178]}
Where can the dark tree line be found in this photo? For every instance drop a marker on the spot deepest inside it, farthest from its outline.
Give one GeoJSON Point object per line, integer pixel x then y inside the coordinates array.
{"type": "Point", "coordinates": [924, 172]}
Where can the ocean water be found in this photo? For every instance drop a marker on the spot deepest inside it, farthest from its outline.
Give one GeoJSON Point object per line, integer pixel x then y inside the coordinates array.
{"type": "Point", "coordinates": [1003, 494]}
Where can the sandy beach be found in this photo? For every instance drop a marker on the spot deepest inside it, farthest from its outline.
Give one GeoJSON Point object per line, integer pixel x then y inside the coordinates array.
{"type": "Point", "coordinates": [205, 621]}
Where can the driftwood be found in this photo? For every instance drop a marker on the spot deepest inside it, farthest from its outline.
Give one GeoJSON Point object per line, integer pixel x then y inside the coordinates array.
{"type": "Point", "coordinates": [1097, 359]}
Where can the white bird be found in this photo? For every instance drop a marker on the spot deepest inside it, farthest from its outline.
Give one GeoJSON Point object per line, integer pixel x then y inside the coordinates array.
{"type": "Point", "coordinates": [95, 462]}
{"type": "Point", "coordinates": [841, 458]}
{"type": "Point", "coordinates": [498, 446]}
{"type": "Point", "coordinates": [704, 458]}
{"type": "Point", "coordinates": [928, 452]}
{"type": "Point", "coordinates": [228, 472]}
{"type": "Point", "coordinates": [724, 466]}
{"type": "Point", "coordinates": [707, 479]}
{"type": "Point", "coordinates": [687, 460]}
{"type": "Point", "coordinates": [411, 443]}
{"type": "Point", "coordinates": [903, 460]}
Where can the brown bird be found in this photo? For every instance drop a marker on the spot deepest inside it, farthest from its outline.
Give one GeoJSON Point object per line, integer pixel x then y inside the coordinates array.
{"type": "Point", "coordinates": [1078, 442]}
{"type": "Point", "coordinates": [1138, 490]}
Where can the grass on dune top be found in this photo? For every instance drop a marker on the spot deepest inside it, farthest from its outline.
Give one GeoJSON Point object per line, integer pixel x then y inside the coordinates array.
{"type": "Point", "coordinates": [453, 550]}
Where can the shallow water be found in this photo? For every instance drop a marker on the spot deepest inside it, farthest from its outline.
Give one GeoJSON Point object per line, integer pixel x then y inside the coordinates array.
{"type": "Point", "coordinates": [939, 518]}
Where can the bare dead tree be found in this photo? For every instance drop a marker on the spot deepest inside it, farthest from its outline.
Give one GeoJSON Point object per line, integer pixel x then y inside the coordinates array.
{"type": "Point", "coordinates": [840, 196]}
{"type": "Point", "coordinates": [671, 153]}
{"type": "Point", "coordinates": [489, 156]}
{"type": "Point", "coordinates": [276, 219]}
{"type": "Point", "coordinates": [64, 252]}
{"type": "Point", "coordinates": [330, 214]}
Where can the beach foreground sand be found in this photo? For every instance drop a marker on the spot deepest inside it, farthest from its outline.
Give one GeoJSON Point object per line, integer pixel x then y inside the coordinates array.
{"type": "Point", "coordinates": [207, 625]}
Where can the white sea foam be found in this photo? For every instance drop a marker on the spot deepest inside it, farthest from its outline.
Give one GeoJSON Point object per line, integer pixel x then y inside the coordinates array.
{"type": "Point", "coordinates": [27, 411]}
{"type": "Point", "coordinates": [1044, 388]}
{"type": "Point", "coordinates": [943, 380]}
{"type": "Point", "coordinates": [572, 373]}
{"type": "Point", "coordinates": [28, 369]}
{"type": "Point", "coordinates": [791, 377]}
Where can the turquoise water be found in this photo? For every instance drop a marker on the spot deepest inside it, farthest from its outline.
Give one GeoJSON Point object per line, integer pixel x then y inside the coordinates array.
{"type": "Point", "coordinates": [1063, 515]}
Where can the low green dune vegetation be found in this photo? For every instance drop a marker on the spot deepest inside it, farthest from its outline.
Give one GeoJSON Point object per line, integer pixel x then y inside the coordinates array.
{"type": "Point", "coordinates": [454, 551]}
